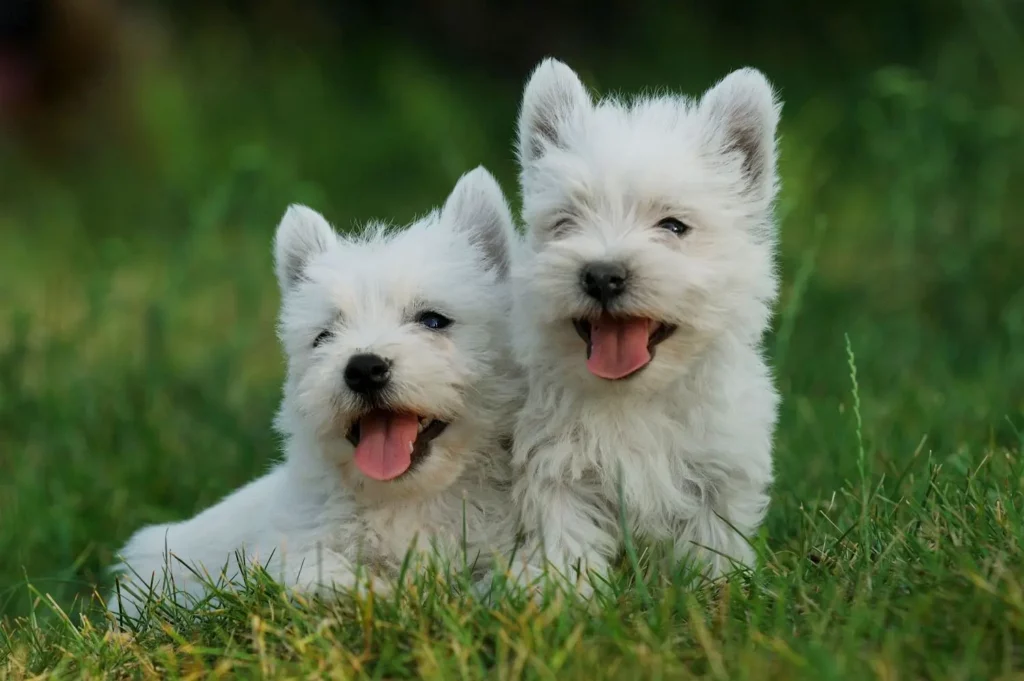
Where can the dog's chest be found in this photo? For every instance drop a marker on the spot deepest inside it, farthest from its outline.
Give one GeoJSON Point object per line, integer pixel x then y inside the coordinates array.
{"type": "Point", "coordinates": [646, 465]}
{"type": "Point", "coordinates": [443, 527]}
{"type": "Point", "coordinates": [394, 531]}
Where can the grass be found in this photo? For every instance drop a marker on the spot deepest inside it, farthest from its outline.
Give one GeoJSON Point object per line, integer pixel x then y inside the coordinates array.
{"type": "Point", "coordinates": [139, 374]}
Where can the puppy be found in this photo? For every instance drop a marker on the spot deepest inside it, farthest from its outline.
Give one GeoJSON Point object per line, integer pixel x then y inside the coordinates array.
{"type": "Point", "coordinates": [397, 409]}
{"type": "Point", "coordinates": [640, 302]}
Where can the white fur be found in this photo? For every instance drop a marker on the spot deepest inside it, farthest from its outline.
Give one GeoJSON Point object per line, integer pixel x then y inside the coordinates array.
{"type": "Point", "coordinates": [315, 517]}
{"type": "Point", "coordinates": [688, 441]}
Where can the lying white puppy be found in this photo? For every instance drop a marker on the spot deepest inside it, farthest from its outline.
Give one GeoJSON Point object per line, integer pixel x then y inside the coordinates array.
{"type": "Point", "coordinates": [396, 413]}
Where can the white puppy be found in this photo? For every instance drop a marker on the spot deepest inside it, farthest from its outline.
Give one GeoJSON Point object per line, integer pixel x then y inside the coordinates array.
{"type": "Point", "coordinates": [640, 301]}
{"type": "Point", "coordinates": [396, 414]}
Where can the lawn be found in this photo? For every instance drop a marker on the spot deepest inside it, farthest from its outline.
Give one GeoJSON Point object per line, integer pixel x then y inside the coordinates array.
{"type": "Point", "coordinates": [139, 374]}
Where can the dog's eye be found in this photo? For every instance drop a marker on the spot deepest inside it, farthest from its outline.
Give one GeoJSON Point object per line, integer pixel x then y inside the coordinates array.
{"type": "Point", "coordinates": [561, 226]}
{"type": "Point", "coordinates": [322, 338]}
{"type": "Point", "coordinates": [675, 226]}
{"type": "Point", "coordinates": [433, 320]}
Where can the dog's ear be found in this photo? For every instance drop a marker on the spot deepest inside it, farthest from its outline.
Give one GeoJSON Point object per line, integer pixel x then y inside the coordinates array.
{"type": "Point", "coordinates": [477, 208]}
{"type": "Point", "coordinates": [553, 96]}
{"type": "Point", "coordinates": [742, 113]}
{"type": "Point", "coordinates": [302, 234]}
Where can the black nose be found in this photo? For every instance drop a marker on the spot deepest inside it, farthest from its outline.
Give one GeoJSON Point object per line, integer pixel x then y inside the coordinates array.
{"type": "Point", "coordinates": [367, 374]}
{"type": "Point", "coordinates": [603, 281]}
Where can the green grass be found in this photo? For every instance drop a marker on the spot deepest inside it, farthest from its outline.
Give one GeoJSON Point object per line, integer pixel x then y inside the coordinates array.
{"type": "Point", "coordinates": [139, 374]}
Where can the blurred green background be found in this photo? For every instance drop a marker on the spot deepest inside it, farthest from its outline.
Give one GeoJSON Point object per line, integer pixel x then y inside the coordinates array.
{"type": "Point", "coordinates": [139, 370]}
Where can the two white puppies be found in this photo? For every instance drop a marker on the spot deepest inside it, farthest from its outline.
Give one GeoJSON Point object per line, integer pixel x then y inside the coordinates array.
{"type": "Point", "coordinates": [640, 303]}
{"type": "Point", "coordinates": [397, 408]}
{"type": "Point", "coordinates": [636, 308]}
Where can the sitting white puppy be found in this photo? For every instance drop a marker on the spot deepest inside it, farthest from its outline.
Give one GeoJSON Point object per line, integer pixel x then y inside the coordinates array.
{"type": "Point", "coordinates": [396, 414]}
{"type": "Point", "coordinates": [640, 302]}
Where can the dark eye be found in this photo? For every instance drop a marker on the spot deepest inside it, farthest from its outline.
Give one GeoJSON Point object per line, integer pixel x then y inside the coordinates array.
{"type": "Point", "coordinates": [675, 226]}
{"type": "Point", "coordinates": [561, 226]}
{"type": "Point", "coordinates": [433, 320]}
{"type": "Point", "coordinates": [322, 338]}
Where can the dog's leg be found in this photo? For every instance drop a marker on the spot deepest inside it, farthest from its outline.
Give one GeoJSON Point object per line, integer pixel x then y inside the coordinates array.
{"type": "Point", "coordinates": [718, 536]}
{"type": "Point", "coordinates": [570, 525]}
{"type": "Point", "coordinates": [326, 573]}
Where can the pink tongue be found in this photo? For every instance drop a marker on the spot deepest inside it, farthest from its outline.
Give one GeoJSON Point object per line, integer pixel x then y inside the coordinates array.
{"type": "Point", "coordinates": [618, 347]}
{"type": "Point", "coordinates": [385, 444]}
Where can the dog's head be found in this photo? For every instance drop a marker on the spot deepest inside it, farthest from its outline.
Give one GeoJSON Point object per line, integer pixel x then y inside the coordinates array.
{"type": "Point", "coordinates": [396, 360]}
{"type": "Point", "coordinates": [651, 228]}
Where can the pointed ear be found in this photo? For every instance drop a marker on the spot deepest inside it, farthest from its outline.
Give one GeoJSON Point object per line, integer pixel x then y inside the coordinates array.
{"type": "Point", "coordinates": [742, 114]}
{"type": "Point", "coordinates": [553, 95]}
{"type": "Point", "coordinates": [302, 234]}
{"type": "Point", "coordinates": [477, 207]}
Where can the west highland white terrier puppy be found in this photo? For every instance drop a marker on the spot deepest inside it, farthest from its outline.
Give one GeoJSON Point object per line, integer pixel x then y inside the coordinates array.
{"type": "Point", "coordinates": [398, 406]}
{"type": "Point", "coordinates": [640, 301]}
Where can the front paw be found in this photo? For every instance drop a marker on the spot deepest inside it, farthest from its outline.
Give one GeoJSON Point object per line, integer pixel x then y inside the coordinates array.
{"type": "Point", "coordinates": [580, 577]}
{"type": "Point", "coordinates": [525, 578]}
{"type": "Point", "coordinates": [540, 581]}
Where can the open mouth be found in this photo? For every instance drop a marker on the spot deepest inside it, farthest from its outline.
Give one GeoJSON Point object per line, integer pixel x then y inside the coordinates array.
{"type": "Point", "coordinates": [389, 443]}
{"type": "Point", "coordinates": [619, 347]}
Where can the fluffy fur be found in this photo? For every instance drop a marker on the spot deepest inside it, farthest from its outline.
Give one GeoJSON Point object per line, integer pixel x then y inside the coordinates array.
{"type": "Point", "coordinates": [687, 441]}
{"type": "Point", "coordinates": [315, 516]}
